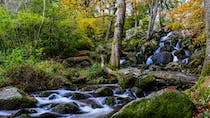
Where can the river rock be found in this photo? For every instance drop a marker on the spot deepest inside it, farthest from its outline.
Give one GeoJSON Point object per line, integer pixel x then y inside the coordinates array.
{"type": "Point", "coordinates": [79, 96]}
{"type": "Point", "coordinates": [48, 115]}
{"type": "Point", "coordinates": [66, 108]}
{"type": "Point", "coordinates": [110, 101]}
{"type": "Point", "coordinates": [80, 61]}
{"type": "Point", "coordinates": [12, 98]}
{"type": "Point", "coordinates": [93, 103]}
{"type": "Point", "coordinates": [145, 82]}
{"type": "Point", "coordinates": [162, 58]}
{"type": "Point", "coordinates": [170, 104]}
{"type": "Point", "coordinates": [104, 91]}
{"type": "Point", "coordinates": [137, 92]}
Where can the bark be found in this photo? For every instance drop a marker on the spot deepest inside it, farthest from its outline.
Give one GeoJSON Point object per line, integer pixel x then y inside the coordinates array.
{"type": "Point", "coordinates": [207, 17]}
{"type": "Point", "coordinates": [153, 14]}
{"type": "Point", "coordinates": [111, 20]}
{"type": "Point", "coordinates": [118, 34]}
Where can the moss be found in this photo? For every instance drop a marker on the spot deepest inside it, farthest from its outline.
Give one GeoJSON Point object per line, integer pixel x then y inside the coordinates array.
{"type": "Point", "coordinates": [206, 70]}
{"type": "Point", "coordinates": [145, 81]}
{"type": "Point", "coordinates": [110, 101]}
{"type": "Point", "coordinates": [17, 103]}
{"type": "Point", "coordinates": [126, 81]}
{"type": "Point", "coordinates": [166, 105]}
{"type": "Point", "coordinates": [200, 91]}
{"type": "Point", "coordinates": [31, 78]}
{"type": "Point", "coordinates": [93, 72]}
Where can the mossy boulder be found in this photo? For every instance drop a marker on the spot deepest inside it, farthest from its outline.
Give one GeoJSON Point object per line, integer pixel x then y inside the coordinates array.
{"type": "Point", "coordinates": [66, 108]}
{"type": "Point", "coordinates": [111, 101]}
{"type": "Point", "coordinates": [30, 78]}
{"type": "Point", "coordinates": [162, 58]}
{"type": "Point", "coordinates": [126, 80]}
{"type": "Point", "coordinates": [104, 91]}
{"type": "Point", "coordinates": [166, 104]}
{"type": "Point", "coordinates": [12, 98]}
{"type": "Point", "coordinates": [79, 96]}
{"type": "Point", "coordinates": [137, 92]}
{"type": "Point", "coordinates": [145, 82]}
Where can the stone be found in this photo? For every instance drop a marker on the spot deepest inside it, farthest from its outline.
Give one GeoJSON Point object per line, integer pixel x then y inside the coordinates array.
{"type": "Point", "coordinates": [162, 58]}
{"type": "Point", "coordinates": [104, 91]}
{"type": "Point", "coordinates": [137, 92]}
{"type": "Point", "coordinates": [79, 96]}
{"type": "Point", "coordinates": [110, 101]}
{"type": "Point", "coordinates": [12, 98]}
{"type": "Point", "coordinates": [170, 104]}
{"type": "Point", "coordinates": [66, 108]}
{"type": "Point", "coordinates": [145, 82]}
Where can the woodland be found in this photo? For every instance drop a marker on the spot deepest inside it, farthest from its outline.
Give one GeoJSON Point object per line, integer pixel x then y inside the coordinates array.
{"type": "Point", "coordinates": [104, 58]}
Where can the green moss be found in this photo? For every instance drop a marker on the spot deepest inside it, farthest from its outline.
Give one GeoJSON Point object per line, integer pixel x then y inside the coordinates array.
{"type": "Point", "coordinates": [166, 105]}
{"type": "Point", "coordinates": [126, 81]}
{"type": "Point", "coordinates": [17, 103]}
{"type": "Point", "coordinates": [206, 70]}
{"type": "Point", "coordinates": [93, 72]}
{"type": "Point", "coordinates": [200, 93]}
{"type": "Point", "coordinates": [31, 78]}
{"type": "Point", "coordinates": [145, 81]}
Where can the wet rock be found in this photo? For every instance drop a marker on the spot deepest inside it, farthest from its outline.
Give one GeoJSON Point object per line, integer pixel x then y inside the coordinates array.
{"type": "Point", "coordinates": [12, 98]}
{"type": "Point", "coordinates": [79, 96]}
{"type": "Point", "coordinates": [110, 101]}
{"type": "Point", "coordinates": [94, 104]}
{"type": "Point", "coordinates": [145, 82]}
{"type": "Point", "coordinates": [69, 94]}
{"type": "Point", "coordinates": [44, 94]}
{"type": "Point", "coordinates": [122, 101]}
{"type": "Point", "coordinates": [48, 115]}
{"type": "Point", "coordinates": [66, 108]}
{"type": "Point", "coordinates": [162, 58]}
{"type": "Point", "coordinates": [137, 92]}
{"type": "Point", "coordinates": [180, 54]}
{"type": "Point", "coordinates": [102, 92]}
{"type": "Point", "coordinates": [119, 90]}
{"type": "Point", "coordinates": [53, 96]}
{"type": "Point", "coordinates": [171, 104]}
{"type": "Point", "coordinates": [22, 112]}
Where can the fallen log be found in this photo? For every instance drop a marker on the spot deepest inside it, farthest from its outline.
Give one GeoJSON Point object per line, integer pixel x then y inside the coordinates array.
{"type": "Point", "coordinates": [173, 76]}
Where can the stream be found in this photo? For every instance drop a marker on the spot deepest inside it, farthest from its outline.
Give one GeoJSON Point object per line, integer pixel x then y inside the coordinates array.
{"type": "Point", "coordinates": [89, 105]}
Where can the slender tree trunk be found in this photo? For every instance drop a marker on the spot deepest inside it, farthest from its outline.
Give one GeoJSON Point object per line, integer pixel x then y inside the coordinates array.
{"type": "Point", "coordinates": [153, 14]}
{"type": "Point", "coordinates": [118, 34]}
{"type": "Point", "coordinates": [207, 16]}
{"type": "Point", "coordinates": [111, 19]}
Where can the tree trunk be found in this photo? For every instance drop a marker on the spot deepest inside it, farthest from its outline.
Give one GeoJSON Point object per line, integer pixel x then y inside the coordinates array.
{"type": "Point", "coordinates": [153, 14]}
{"type": "Point", "coordinates": [207, 16]}
{"type": "Point", "coordinates": [118, 34]}
{"type": "Point", "coordinates": [112, 6]}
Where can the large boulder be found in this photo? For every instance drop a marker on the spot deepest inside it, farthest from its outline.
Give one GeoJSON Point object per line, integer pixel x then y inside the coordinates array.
{"type": "Point", "coordinates": [166, 104]}
{"type": "Point", "coordinates": [80, 61]}
{"type": "Point", "coordinates": [162, 58]}
{"type": "Point", "coordinates": [12, 98]}
{"type": "Point", "coordinates": [66, 108]}
{"type": "Point", "coordinates": [104, 91]}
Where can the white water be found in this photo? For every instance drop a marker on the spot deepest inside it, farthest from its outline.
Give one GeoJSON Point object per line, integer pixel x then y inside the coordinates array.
{"type": "Point", "coordinates": [177, 46]}
{"type": "Point", "coordinates": [45, 104]}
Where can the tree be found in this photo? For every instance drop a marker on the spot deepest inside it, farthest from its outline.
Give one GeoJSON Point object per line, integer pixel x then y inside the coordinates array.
{"type": "Point", "coordinates": [153, 13]}
{"type": "Point", "coordinates": [207, 17]}
{"type": "Point", "coordinates": [118, 33]}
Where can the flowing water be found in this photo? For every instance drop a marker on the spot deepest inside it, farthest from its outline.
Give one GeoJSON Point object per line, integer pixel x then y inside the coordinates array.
{"type": "Point", "coordinates": [177, 47]}
{"type": "Point", "coordinates": [90, 107]}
